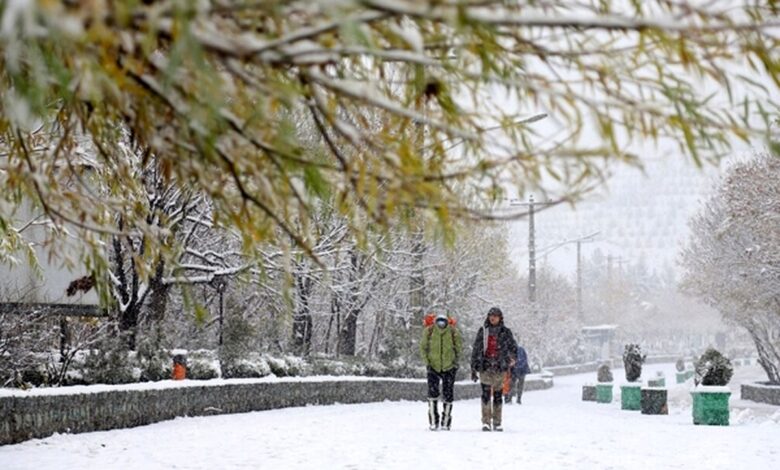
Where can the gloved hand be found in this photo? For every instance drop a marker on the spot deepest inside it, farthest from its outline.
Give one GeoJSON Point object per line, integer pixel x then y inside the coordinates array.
{"type": "Point", "coordinates": [474, 376]}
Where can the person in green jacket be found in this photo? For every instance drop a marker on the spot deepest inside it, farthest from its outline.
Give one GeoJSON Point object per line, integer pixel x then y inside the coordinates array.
{"type": "Point", "coordinates": [441, 349]}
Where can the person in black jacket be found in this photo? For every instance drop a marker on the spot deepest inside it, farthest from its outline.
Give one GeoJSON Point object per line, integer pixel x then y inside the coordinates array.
{"type": "Point", "coordinates": [492, 355]}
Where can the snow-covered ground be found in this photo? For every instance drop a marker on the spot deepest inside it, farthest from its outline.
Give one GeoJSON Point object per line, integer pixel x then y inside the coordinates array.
{"type": "Point", "coordinates": [552, 429]}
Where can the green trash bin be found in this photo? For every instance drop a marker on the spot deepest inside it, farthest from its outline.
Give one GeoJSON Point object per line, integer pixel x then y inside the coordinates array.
{"type": "Point", "coordinates": [711, 405]}
{"type": "Point", "coordinates": [604, 393]}
{"type": "Point", "coordinates": [630, 396]}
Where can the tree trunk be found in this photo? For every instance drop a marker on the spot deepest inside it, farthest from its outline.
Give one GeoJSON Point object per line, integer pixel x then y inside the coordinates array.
{"type": "Point", "coordinates": [348, 334]}
{"type": "Point", "coordinates": [158, 302]}
{"type": "Point", "coordinates": [765, 341]}
{"type": "Point", "coordinates": [348, 331]}
{"type": "Point", "coordinates": [302, 321]}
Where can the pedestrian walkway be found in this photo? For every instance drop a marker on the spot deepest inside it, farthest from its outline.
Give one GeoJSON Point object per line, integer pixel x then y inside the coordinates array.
{"type": "Point", "coordinates": [552, 429]}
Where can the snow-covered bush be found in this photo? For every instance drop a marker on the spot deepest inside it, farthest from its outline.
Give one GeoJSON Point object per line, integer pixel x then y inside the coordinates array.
{"type": "Point", "coordinates": [288, 366]}
{"type": "Point", "coordinates": [202, 364]}
{"type": "Point", "coordinates": [680, 365]}
{"type": "Point", "coordinates": [604, 374]}
{"type": "Point", "coordinates": [108, 364]}
{"type": "Point", "coordinates": [154, 363]}
{"type": "Point", "coordinates": [253, 365]}
{"type": "Point", "coordinates": [712, 368]}
{"type": "Point", "coordinates": [632, 362]}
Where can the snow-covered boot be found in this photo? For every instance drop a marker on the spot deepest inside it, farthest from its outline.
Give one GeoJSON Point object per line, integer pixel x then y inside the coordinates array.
{"type": "Point", "coordinates": [446, 416]}
{"type": "Point", "coordinates": [433, 414]}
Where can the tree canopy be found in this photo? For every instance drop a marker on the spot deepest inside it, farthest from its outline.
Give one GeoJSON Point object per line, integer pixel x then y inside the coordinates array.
{"type": "Point", "coordinates": [421, 110]}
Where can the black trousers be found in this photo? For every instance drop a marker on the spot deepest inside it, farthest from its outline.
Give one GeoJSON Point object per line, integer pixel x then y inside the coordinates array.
{"type": "Point", "coordinates": [516, 384]}
{"type": "Point", "coordinates": [447, 380]}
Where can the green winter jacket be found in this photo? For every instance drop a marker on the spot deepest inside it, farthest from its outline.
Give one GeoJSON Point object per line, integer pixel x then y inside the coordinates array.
{"type": "Point", "coordinates": [440, 348]}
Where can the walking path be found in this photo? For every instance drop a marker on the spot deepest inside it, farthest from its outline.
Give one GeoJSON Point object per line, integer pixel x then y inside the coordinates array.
{"type": "Point", "coordinates": [552, 429]}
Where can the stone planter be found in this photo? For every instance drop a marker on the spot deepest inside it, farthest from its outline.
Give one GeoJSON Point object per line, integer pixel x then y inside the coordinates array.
{"type": "Point", "coordinates": [588, 392]}
{"type": "Point", "coordinates": [762, 392]}
{"type": "Point", "coordinates": [711, 405]}
{"type": "Point", "coordinates": [653, 401]}
{"type": "Point", "coordinates": [604, 392]}
{"type": "Point", "coordinates": [630, 396]}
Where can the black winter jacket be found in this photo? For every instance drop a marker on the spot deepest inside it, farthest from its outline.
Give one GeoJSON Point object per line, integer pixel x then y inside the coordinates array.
{"type": "Point", "coordinates": [507, 348]}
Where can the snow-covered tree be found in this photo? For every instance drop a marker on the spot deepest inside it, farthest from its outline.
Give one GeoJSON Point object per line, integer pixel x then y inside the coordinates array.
{"type": "Point", "coordinates": [733, 257]}
{"type": "Point", "coordinates": [213, 89]}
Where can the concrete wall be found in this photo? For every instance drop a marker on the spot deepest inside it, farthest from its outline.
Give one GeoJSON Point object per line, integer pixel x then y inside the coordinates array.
{"type": "Point", "coordinates": [761, 393]}
{"type": "Point", "coordinates": [36, 416]}
{"type": "Point", "coordinates": [22, 283]}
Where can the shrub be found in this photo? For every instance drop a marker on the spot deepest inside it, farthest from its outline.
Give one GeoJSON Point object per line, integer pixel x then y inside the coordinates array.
{"type": "Point", "coordinates": [713, 368]}
{"type": "Point", "coordinates": [680, 365]}
{"type": "Point", "coordinates": [155, 364]}
{"type": "Point", "coordinates": [108, 366]}
{"type": "Point", "coordinates": [604, 374]}
{"type": "Point", "coordinates": [252, 366]}
{"type": "Point", "coordinates": [202, 365]}
{"type": "Point", "coordinates": [632, 362]}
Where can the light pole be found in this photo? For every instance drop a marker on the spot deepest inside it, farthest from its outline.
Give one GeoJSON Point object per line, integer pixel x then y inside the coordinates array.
{"type": "Point", "coordinates": [579, 241]}
{"type": "Point", "coordinates": [531, 244]}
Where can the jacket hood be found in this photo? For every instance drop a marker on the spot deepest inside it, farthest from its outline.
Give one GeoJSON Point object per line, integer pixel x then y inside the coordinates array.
{"type": "Point", "coordinates": [495, 311]}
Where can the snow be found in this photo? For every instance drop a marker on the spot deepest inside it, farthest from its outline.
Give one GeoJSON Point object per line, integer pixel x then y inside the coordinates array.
{"type": "Point", "coordinates": [711, 389]}
{"type": "Point", "coordinates": [552, 429]}
{"type": "Point", "coordinates": [165, 384]}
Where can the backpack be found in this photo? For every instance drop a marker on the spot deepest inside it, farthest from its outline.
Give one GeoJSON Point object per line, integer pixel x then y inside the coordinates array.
{"type": "Point", "coordinates": [429, 319]}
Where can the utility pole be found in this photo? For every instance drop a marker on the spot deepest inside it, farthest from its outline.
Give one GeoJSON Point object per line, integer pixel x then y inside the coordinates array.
{"type": "Point", "coordinates": [531, 252]}
{"type": "Point", "coordinates": [617, 259]}
{"type": "Point", "coordinates": [531, 244]}
{"type": "Point", "coordinates": [580, 241]}
{"type": "Point", "coordinates": [417, 278]}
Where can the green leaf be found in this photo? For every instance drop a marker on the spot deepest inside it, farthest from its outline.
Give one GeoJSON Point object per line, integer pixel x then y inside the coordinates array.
{"type": "Point", "coordinates": [315, 183]}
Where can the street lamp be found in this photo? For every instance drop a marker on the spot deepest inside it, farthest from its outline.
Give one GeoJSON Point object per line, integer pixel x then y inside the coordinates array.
{"type": "Point", "coordinates": [579, 241]}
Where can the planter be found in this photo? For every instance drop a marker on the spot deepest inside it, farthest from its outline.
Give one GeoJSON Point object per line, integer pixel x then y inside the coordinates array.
{"type": "Point", "coordinates": [762, 392]}
{"type": "Point", "coordinates": [659, 382]}
{"type": "Point", "coordinates": [630, 396]}
{"type": "Point", "coordinates": [711, 405]}
{"type": "Point", "coordinates": [653, 401]}
{"type": "Point", "coordinates": [681, 377]}
{"type": "Point", "coordinates": [588, 393]}
{"type": "Point", "coordinates": [604, 392]}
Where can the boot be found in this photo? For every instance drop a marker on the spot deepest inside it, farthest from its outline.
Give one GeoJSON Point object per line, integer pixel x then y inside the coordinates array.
{"type": "Point", "coordinates": [497, 402]}
{"type": "Point", "coordinates": [433, 414]}
{"type": "Point", "coordinates": [446, 416]}
{"type": "Point", "coordinates": [487, 414]}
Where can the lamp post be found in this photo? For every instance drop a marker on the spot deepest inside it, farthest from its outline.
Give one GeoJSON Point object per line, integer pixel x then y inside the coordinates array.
{"type": "Point", "coordinates": [579, 241]}
{"type": "Point", "coordinates": [531, 244]}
